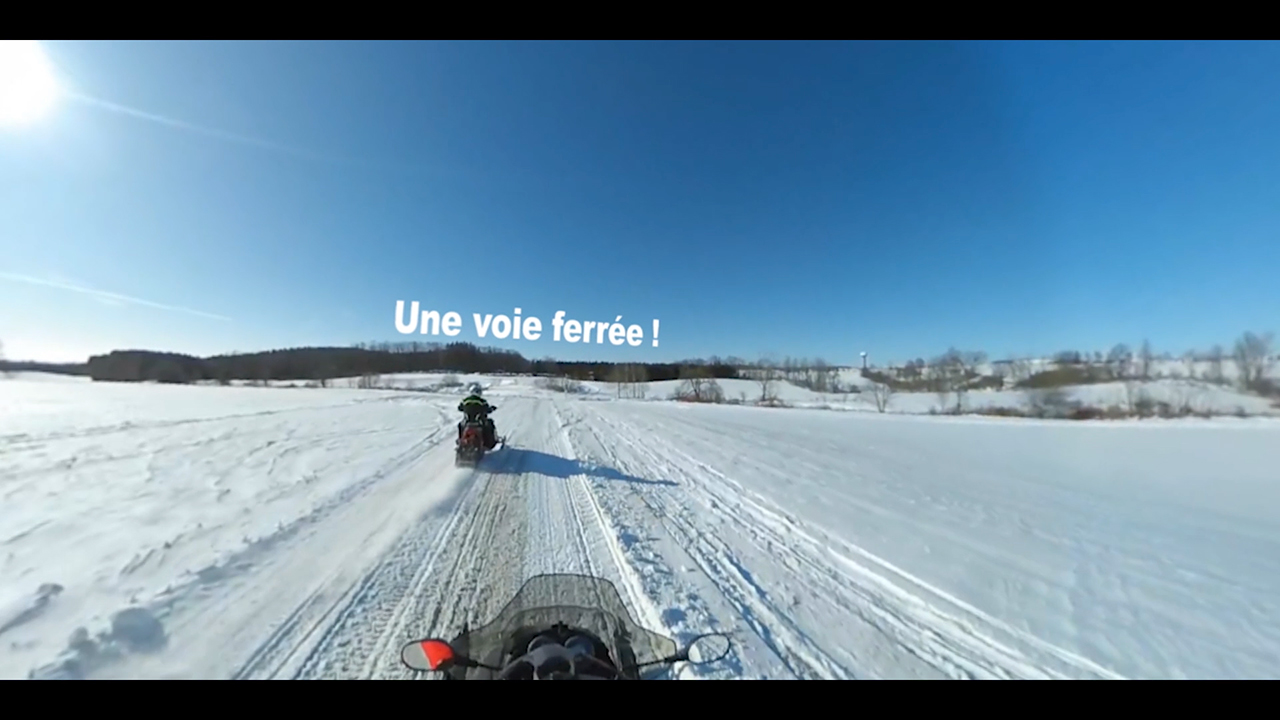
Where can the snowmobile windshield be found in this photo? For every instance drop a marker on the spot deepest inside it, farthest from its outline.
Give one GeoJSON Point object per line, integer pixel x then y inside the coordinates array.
{"type": "Point", "coordinates": [579, 601]}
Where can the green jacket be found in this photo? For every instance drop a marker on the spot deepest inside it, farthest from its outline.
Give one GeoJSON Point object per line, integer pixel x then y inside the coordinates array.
{"type": "Point", "coordinates": [474, 401]}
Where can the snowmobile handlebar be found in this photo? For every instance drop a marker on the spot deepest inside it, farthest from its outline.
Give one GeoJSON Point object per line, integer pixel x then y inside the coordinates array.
{"type": "Point", "coordinates": [436, 655]}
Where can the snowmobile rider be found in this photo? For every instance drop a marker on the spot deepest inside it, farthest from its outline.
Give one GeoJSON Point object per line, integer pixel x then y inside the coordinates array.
{"type": "Point", "coordinates": [475, 407]}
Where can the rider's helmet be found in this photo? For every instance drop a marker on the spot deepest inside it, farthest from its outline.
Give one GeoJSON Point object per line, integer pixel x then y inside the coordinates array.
{"type": "Point", "coordinates": [475, 389]}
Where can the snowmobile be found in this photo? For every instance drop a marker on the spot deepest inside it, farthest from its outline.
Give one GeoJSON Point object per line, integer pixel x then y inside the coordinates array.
{"type": "Point", "coordinates": [560, 627]}
{"type": "Point", "coordinates": [471, 446]}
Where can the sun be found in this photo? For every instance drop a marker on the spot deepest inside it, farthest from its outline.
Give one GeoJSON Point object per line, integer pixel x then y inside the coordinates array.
{"type": "Point", "coordinates": [28, 88]}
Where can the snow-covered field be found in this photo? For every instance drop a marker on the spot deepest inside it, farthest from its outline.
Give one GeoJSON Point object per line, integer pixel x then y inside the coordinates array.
{"type": "Point", "coordinates": [1199, 395]}
{"type": "Point", "coordinates": [294, 533]}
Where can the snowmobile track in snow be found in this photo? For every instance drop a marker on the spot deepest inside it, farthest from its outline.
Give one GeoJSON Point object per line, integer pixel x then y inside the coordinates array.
{"type": "Point", "coordinates": [345, 641]}
{"type": "Point", "coordinates": [959, 642]}
{"type": "Point", "coordinates": [790, 645]}
{"type": "Point", "coordinates": [302, 625]}
{"type": "Point", "coordinates": [458, 564]}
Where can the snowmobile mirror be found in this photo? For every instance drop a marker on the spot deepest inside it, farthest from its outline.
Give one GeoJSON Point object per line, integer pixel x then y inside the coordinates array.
{"type": "Point", "coordinates": [702, 650]}
{"type": "Point", "coordinates": [428, 655]}
{"type": "Point", "coordinates": [706, 649]}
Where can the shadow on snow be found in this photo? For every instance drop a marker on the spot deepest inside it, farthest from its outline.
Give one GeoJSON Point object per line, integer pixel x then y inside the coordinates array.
{"type": "Point", "coordinates": [525, 461]}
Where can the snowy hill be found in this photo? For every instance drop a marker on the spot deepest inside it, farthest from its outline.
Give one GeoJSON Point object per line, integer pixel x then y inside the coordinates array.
{"type": "Point", "coordinates": [1170, 384]}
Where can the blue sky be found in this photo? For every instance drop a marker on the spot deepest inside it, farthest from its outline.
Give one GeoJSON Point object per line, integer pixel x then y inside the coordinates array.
{"type": "Point", "coordinates": [791, 198]}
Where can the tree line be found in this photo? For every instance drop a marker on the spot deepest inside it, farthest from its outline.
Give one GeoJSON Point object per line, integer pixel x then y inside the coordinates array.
{"type": "Point", "coordinates": [955, 373]}
{"type": "Point", "coordinates": [322, 364]}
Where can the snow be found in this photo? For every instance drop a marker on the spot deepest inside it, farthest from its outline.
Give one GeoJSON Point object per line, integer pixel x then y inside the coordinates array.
{"type": "Point", "coordinates": [1172, 388]}
{"type": "Point", "coordinates": [307, 533]}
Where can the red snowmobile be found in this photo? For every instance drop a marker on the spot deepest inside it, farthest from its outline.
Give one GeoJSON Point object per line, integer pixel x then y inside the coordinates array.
{"type": "Point", "coordinates": [471, 444]}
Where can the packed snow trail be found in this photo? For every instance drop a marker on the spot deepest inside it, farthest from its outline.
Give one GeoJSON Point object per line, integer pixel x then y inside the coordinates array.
{"type": "Point", "coordinates": [527, 511]}
{"type": "Point", "coordinates": [421, 552]}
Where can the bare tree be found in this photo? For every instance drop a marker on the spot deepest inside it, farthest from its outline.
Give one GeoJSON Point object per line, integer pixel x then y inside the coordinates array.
{"type": "Point", "coordinates": [816, 375]}
{"type": "Point", "coordinates": [766, 374]}
{"type": "Point", "coordinates": [942, 376]}
{"type": "Point", "coordinates": [262, 373]}
{"type": "Point", "coordinates": [639, 380]}
{"type": "Point", "coordinates": [628, 378]}
{"type": "Point", "coordinates": [698, 386]}
{"type": "Point", "coordinates": [1003, 371]}
{"type": "Point", "coordinates": [1253, 357]}
{"type": "Point", "coordinates": [1133, 396]}
{"type": "Point", "coordinates": [940, 382]}
{"type": "Point", "coordinates": [1189, 360]}
{"type": "Point", "coordinates": [1118, 360]}
{"type": "Point", "coordinates": [789, 369]}
{"type": "Point", "coordinates": [1145, 356]}
{"type": "Point", "coordinates": [1020, 369]}
{"type": "Point", "coordinates": [971, 360]}
{"type": "Point", "coordinates": [910, 371]}
{"type": "Point", "coordinates": [826, 376]}
{"type": "Point", "coordinates": [1186, 399]}
{"type": "Point", "coordinates": [952, 373]}
{"type": "Point", "coordinates": [1216, 356]}
{"type": "Point", "coordinates": [324, 374]}
{"type": "Point", "coordinates": [618, 376]}
{"type": "Point", "coordinates": [561, 383]}
{"type": "Point", "coordinates": [1138, 400]}
{"type": "Point", "coordinates": [1048, 402]}
{"type": "Point", "coordinates": [881, 393]}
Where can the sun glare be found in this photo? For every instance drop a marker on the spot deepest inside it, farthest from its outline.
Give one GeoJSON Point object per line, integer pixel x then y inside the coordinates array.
{"type": "Point", "coordinates": [28, 88]}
